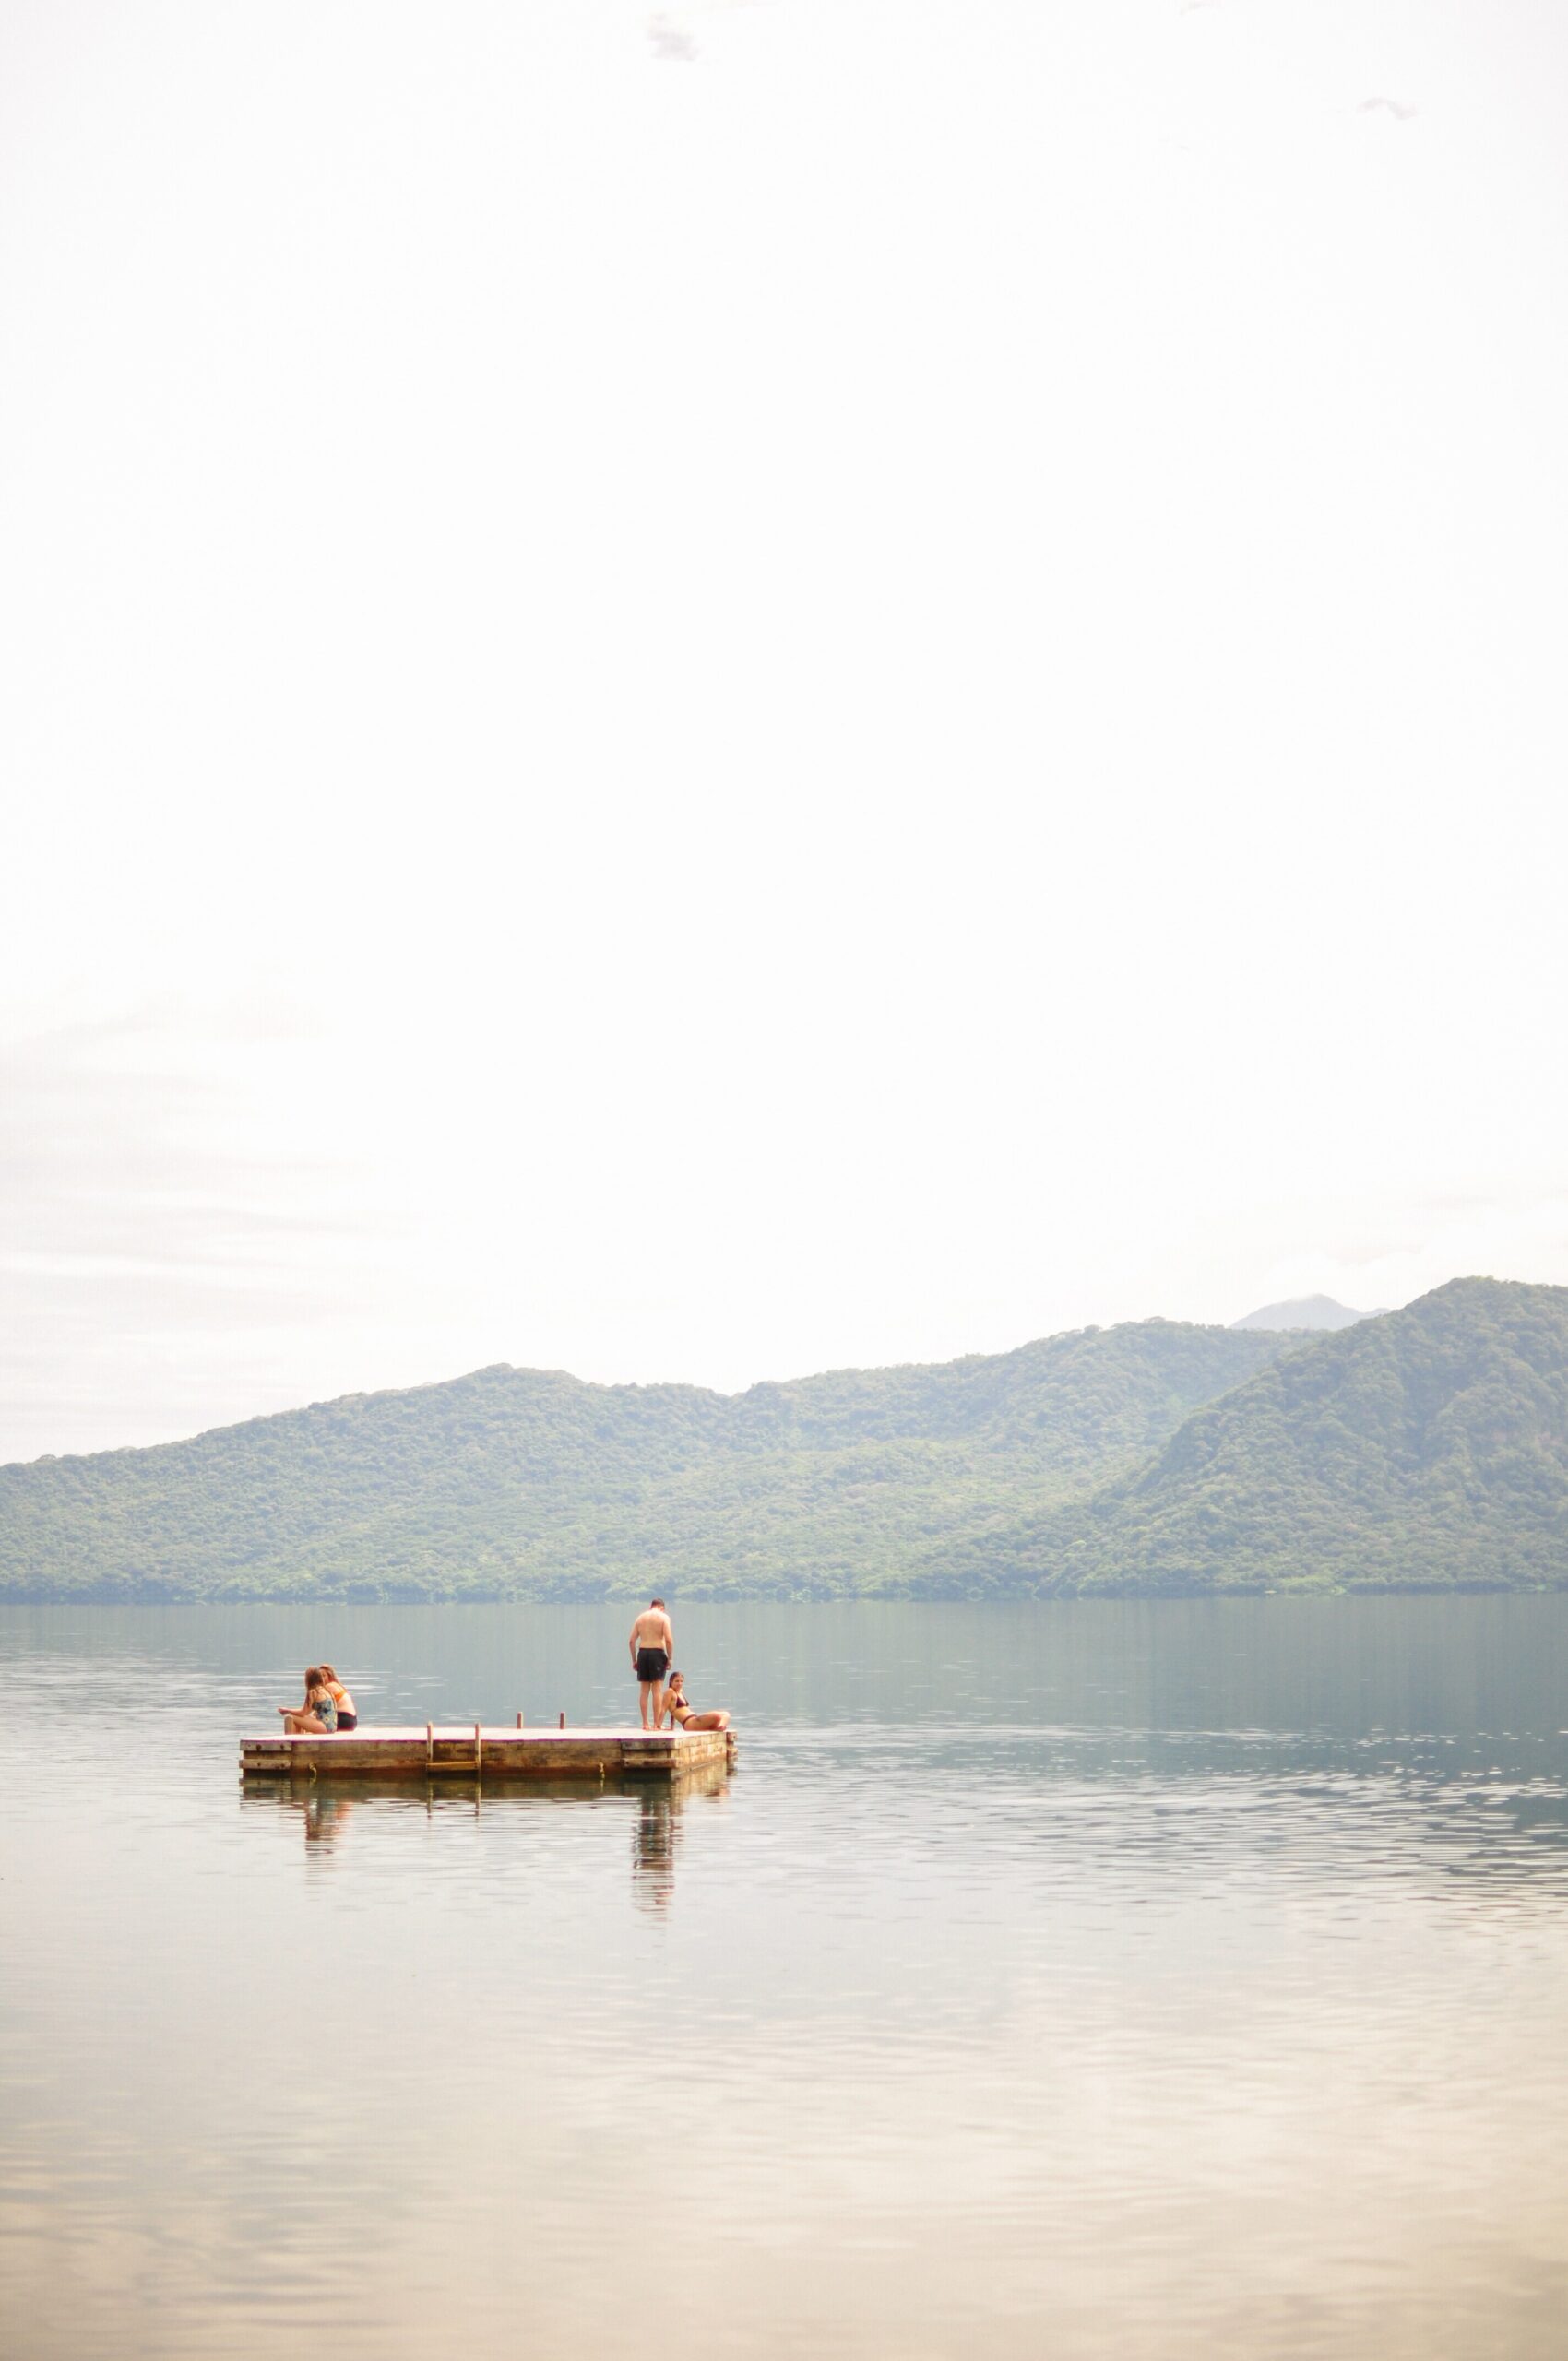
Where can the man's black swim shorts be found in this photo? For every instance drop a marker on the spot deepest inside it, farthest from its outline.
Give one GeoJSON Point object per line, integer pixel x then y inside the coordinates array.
{"type": "Point", "coordinates": [652, 1664]}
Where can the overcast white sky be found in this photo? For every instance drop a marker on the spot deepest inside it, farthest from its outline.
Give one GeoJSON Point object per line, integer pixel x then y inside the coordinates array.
{"type": "Point", "coordinates": [710, 693]}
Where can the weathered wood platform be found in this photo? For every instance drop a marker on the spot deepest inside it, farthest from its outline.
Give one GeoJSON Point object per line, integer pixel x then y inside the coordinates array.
{"type": "Point", "coordinates": [474, 1751]}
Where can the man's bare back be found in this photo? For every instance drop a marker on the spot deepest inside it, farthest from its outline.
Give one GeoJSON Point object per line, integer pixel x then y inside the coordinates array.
{"type": "Point", "coordinates": [652, 1630]}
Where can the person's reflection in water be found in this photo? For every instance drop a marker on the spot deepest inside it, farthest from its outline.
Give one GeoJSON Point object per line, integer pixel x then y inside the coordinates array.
{"type": "Point", "coordinates": [655, 1828]}
{"type": "Point", "coordinates": [657, 1831]}
{"type": "Point", "coordinates": [326, 1816]}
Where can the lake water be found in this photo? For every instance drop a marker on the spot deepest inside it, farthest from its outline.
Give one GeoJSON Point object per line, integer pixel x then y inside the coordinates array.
{"type": "Point", "coordinates": [1116, 1980]}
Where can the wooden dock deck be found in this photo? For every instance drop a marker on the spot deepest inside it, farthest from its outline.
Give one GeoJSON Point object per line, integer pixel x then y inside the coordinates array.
{"type": "Point", "coordinates": [474, 1751]}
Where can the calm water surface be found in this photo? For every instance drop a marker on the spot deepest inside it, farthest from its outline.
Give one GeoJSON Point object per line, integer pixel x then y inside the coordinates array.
{"type": "Point", "coordinates": [1126, 1980]}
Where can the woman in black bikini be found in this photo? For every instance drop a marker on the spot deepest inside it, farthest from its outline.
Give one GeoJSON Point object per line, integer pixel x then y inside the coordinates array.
{"type": "Point", "coordinates": [679, 1713]}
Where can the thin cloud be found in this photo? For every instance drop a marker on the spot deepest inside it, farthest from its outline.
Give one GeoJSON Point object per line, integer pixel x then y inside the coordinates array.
{"type": "Point", "coordinates": [672, 46]}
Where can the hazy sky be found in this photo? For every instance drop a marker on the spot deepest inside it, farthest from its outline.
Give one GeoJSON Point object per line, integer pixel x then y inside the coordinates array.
{"type": "Point", "coordinates": [708, 693]}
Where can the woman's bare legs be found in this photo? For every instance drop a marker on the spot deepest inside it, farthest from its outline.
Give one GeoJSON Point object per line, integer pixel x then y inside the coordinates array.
{"type": "Point", "coordinates": [706, 1722]}
{"type": "Point", "coordinates": [303, 1725]}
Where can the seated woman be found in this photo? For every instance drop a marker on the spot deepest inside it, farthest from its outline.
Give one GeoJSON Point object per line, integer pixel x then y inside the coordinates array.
{"type": "Point", "coordinates": [317, 1718]}
{"type": "Point", "coordinates": [679, 1711]}
{"type": "Point", "coordinates": [347, 1718]}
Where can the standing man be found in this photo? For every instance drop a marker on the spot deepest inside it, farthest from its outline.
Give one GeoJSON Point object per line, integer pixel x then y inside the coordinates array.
{"type": "Point", "coordinates": [653, 1644]}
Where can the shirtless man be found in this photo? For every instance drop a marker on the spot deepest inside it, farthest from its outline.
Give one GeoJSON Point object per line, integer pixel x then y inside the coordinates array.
{"type": "Point", "coordinates": [653, 1644]}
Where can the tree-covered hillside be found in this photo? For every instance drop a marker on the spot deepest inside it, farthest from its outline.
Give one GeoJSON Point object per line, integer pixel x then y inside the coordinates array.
{"type": "Point", "coordinates": [1427, 1449]}
{"type": "Point", "coordinates": [529, 1483]}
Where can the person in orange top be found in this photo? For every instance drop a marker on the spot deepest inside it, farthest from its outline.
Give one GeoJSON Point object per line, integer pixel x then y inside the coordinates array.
{"type": "Point", "coordinates": [347, 1718]}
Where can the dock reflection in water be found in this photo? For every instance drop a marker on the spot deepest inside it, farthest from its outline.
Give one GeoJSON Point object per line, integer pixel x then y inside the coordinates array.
{"type": "Point", "coordinates": [656, 1811]}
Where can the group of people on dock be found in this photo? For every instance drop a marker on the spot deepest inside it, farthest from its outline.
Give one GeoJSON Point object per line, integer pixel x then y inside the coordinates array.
{"type": "Point", "coordinates": [328, 1706]}
{"type": "Point", "coordinates": [661, 1694]}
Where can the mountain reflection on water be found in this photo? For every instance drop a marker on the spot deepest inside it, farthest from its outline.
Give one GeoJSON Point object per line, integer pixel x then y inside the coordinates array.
{"type": "Point", "coordinates": [1126, 1979]}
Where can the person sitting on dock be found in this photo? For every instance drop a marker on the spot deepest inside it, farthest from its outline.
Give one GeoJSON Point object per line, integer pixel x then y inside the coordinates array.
{"type": "Point", "coordinates": [347, 1718]}
{"type": "Point", "coordinates": [653, 1644]}
{"type": "Point", "coordinates": [317, 1718]}
{"type": "Point", "coordinates": [681, 1714]}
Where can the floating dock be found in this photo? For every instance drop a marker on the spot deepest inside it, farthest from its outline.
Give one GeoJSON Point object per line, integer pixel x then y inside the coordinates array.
{"type": "Point", "coordinates": [475, 1753]}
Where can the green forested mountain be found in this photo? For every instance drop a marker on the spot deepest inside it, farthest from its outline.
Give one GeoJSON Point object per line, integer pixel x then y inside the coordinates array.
{"type": "Point", "coordinates": [1427, 1448]}
{"type": "Point", "coordinates": [529, 1483]}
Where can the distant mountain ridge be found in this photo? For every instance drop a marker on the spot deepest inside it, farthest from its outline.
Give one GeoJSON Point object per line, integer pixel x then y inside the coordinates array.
{"type": "Point", "coordinates": [1424, 1448]}
{"type": "Point", "coordinates": [1303, 1312]}
{"type": "Point", "coordinates": [530, 1483]}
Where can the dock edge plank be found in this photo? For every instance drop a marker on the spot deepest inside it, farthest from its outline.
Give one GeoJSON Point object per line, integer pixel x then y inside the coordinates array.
{"type": "Point", "coordinates": [487, 1753]}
